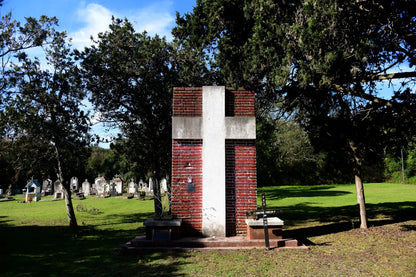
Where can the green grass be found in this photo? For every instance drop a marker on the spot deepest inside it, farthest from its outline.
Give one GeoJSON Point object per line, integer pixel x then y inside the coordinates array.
{"type": "Point", "coordinates": [317, 205]}
{"type": "Point", "coordinates": [35, 239]}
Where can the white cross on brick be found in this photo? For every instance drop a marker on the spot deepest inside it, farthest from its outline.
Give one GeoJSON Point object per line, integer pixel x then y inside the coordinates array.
{"type": "Point", "coordinates": [214, 128]}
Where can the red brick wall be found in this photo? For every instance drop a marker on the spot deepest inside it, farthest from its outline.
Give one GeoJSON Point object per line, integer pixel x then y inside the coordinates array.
{"type": "Point", "coordinates": [187, 162]}
{"type": "Point", "coordinates": [187, 102]}
{"type": "Point", "coordinates": [241, 184]}
{"type": "Point", "coordinates": [239, 102]}
{"type": "Point", "coordinates": [241, 174]}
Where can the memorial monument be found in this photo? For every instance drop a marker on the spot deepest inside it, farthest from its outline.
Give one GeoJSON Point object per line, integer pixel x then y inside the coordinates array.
{"type": "Point", "coordinates": [213, 160]}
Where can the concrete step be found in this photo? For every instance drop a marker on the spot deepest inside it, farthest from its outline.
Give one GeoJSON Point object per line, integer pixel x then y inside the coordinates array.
{"type": "Point", "coordinates": [139, 244]}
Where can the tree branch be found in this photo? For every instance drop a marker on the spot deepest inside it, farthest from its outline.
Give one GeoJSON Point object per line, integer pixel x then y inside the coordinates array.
{"type": "Point", "coordinates": [397, 75]}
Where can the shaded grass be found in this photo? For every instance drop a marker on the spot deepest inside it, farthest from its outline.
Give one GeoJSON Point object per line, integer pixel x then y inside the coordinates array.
{"type": "Point", "coordinates": [35, 239]}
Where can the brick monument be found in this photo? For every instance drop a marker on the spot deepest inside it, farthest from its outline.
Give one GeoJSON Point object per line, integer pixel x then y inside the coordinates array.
{"type": "Point", "coordinates": [213, 160]}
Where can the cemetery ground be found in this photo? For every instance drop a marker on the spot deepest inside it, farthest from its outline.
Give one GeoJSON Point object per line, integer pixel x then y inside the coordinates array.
{"type": "Point", "coordinates": [35, 239]}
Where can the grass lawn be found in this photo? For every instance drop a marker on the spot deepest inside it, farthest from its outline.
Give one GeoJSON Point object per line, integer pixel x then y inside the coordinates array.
{"type": "Point", "coordinates": [35, 239]}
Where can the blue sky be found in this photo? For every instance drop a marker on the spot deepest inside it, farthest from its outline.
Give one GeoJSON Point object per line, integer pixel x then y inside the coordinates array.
{"type": "Point", "coordinates": [83, 19]}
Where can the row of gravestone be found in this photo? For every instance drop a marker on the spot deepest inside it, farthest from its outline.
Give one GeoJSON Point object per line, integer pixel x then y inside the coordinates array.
{"type": "Point", "coordinates": [102, 187]}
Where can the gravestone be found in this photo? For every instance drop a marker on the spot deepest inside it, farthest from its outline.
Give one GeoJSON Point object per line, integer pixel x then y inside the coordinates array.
{"type": "Point", "coordinates": [142, 184]}
{"type": "Point", "coordinates": [86, 188]}
{"type": "Point", "coordinates": [151, 184]}
{"type": "Point", "coordinates": [132, 189]}
{"type": "Point", "coordinates": [58, 190]}
{"type": "Point", "coordinates": [112, 191]}
{"type": "Point", "coordinates": [118, 184]}
{"type": "Point", "coordinates": [33, 191]}
{"type": "Point", "coordinates": [213, 160]}
{"type": "Point", "coordinates": [74, 184]}
{"type": "Point", "coordinates": [47, 187]}
{"type": "Point", "coordinates": [101, 186]}
{"type": "Point", "coordinates": [163, 186]}
{"type": "Point", "coordinates": [147, 188]}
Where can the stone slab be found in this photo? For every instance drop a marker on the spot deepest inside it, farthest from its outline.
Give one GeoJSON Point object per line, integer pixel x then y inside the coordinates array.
{"type": "Point", "coordinates": [151, 222]}
{"type": "Point", "coordinates": [271, 221]}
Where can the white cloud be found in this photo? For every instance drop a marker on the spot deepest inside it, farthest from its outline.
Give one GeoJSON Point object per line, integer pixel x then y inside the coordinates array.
{"type": "Point", "coordinates": [96, 19]}
{"type": "Point", "coordinates": [157, 18]}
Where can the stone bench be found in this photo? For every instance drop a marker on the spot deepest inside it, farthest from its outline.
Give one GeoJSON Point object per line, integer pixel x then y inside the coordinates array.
{"type": "Point", "coordinates": [162, 229]}
{"type": "Point", "coordinates": [255, 228]}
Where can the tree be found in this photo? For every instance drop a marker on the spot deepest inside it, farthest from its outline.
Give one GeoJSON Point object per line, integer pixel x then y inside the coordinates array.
{"type": "Point", "coordinates": [15, 38]}
{"type": "Point", "coordinates": [328, 53]}
{"type": "Point", "coordinates": [285, 155]}
{"type": "Point", "coordinates": [131, 77]}
{"type": "Point", "coordinates": [46, 104]}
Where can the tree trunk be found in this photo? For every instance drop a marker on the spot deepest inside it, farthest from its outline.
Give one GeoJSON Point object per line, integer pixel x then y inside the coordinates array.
{"type": "Point", "coordinates": [359, 186]}
{"type": "Point", "coordinates": [361, 201]}
{"type": "Point", "coordinates": [157, 198]}
{"type": "Point", "coordinates": [69, 208]}
{"type": "Point", "coordinates": [67, 193]}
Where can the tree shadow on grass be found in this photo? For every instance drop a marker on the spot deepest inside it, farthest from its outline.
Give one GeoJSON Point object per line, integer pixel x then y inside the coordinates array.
{"type": "Point", "coordinates": [122, 219]}
{"type": "Point", "coordinates": [277, 193]}
{"type": "Point", "coordinates": [57, 251]}
{"type": "Point", "coordinates": [328, 220]}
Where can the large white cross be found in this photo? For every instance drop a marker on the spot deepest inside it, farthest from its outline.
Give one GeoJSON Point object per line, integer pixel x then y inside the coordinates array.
{"type": "Point", "coordinates": [213, 128]}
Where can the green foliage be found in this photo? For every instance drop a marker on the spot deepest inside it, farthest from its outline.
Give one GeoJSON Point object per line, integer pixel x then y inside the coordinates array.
{"type": "Point", "coordinates": [393, 166]}
{"type": "Point", "coordinates": [411, 162]}
{"type": "Point", "coordinates": [277, 45]}
{"type": "Point", "coordinates": [322, 59]}
{"type": "Point", "coordinates": [15, 37]}
{"type": "Point", "coordinates": [46, 106]}
{"type": "Point", "coordinates": [111, 162]}
{"type": "Point", "coordinates": [285, 155]}
{"type": "Point", "coordinates": [130, 77]}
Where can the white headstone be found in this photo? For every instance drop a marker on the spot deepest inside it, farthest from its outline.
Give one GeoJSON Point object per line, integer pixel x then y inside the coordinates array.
{"type": "Point", "coordinates": [132, 187]}
{"type": "Point", "coordinates": [101, 185]}
{"type": "Point", "coordinates": [58, 190]}
{"type": "Point", "coordinates": [74, 183]}
{"type": "Point", "coordinates": [86, 188]}
{"type": "Point", "coordinates": [47, 188]}
{"type": "Point", "coordinates": [163, 186]}
{"type": "Point", "coordinates": [142, 184]}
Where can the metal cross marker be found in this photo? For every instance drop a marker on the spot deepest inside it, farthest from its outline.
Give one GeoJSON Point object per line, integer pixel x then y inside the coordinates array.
{"type": "Point", "coordinates": [266, 227]}
{"type": "Point", "coordinates": [264, 214]}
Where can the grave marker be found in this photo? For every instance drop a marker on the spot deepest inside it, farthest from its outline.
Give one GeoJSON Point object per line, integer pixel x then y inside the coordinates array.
{"type": "Point", "coordinates": [118, 184]}
{"type": "Point", "coordinates": [213, 132]}
{"type": "Point", "coordinates": [58, 190]}
{"type": "Point", "coordinates": [74, 184]}
{"type": "Point", "coordinates": [86, 187]}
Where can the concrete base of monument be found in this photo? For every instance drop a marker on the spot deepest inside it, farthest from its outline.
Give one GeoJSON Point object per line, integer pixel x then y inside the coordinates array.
{"type": "Point", "coordinates": [162, 229]}
{"type": "Point", "coordinates": [255, 228]}
{"type": "Point", "coordinates": [141, 245]}
{"type": "Point", "coordinates": [164, 235]}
